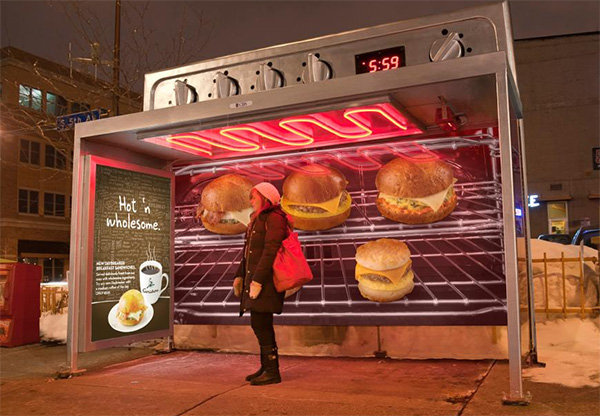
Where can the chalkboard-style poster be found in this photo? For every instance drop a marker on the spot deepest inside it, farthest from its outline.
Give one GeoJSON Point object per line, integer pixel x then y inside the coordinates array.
{"type": "Point", "coordinates": [131, 270]}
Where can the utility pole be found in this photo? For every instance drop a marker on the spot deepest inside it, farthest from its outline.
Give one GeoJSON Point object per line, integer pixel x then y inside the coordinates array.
{"type": "Point", "coordinates": [116, 58]}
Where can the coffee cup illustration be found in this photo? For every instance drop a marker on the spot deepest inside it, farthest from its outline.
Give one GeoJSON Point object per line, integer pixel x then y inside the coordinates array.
{"type": "Point", "coordinates": [151, 278]}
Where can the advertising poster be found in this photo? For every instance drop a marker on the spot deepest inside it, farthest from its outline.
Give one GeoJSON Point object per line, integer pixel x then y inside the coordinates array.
{"type": "Point", "coordinates": [131, 270]}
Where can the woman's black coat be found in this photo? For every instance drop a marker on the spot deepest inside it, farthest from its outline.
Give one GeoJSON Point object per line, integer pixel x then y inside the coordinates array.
{"type": "Point", "coordinates": [263, 240]}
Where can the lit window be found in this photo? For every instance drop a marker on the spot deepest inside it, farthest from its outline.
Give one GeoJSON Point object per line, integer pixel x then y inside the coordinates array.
{"type": "Point", "coordinates": [28, 201]}
{"type": "Point", "coordinates": [55, 158]}
{"type": "Point", "coordinates": [29, 152]}
{"type": "Point", "coordinates": [30, 97]}
{"type": "Point", "coordinates": [55, 104]}
{"type": "Point", "coordinates": [54, 205]}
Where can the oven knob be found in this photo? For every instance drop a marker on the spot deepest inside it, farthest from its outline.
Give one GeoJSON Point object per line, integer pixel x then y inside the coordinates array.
{"type": "Point", "coordinates": [316, 70]}
{"type": "Point", "coordinates": [269, 78]}
{"type": "Point", "coordinates": [448, 48]}
{"type": "Point", "coordinates": [184, 93]}
{"type": "Point", "coordinates": [226, 86]}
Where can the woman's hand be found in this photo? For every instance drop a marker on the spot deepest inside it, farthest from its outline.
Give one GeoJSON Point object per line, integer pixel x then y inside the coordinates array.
{"type": "Point", "coordinates": [238, 286]}
{"type": "Point", "coordinates": [255, 289]}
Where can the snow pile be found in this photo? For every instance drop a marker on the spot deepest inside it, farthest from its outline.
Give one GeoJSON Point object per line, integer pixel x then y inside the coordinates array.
{"type": "Point", "coordinates": [555, 280]}
{"type": "Point", "coordinates": [53, 327]}
{"type": "Point", "coordinates": [571, 350]}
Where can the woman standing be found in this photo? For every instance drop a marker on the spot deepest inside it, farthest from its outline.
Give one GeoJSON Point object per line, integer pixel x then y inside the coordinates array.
{"type": "Point", "coordinates": [254, 278]}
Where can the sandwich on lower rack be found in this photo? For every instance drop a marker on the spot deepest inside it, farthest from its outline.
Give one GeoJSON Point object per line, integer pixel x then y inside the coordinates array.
{"type": "Point", "coordinates": [383, 270]}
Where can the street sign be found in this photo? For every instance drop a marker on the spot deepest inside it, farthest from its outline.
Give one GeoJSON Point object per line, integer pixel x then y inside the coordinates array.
{"type": "Point", "coordinates": [68, 122]}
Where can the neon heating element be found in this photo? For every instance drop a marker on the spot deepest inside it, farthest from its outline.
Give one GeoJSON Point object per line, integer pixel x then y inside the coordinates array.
{"type": "Point", "coordinates": [372, 122]}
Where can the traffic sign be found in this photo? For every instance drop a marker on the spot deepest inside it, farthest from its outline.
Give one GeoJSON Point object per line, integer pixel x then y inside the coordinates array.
{"type": "Point", "coordinates": [68, 122]}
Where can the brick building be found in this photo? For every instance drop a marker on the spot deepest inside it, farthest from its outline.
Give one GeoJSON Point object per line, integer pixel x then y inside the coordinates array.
{"type": "Point", "coordinates": [37, 159]}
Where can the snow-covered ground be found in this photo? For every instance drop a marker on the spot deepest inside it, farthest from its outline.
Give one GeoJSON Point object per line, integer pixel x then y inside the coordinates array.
{"type": "Point", "coordinates": [53, 327]}
{"type": "Point", "coordinates": [555, 280]}
{"type": "Point", "coordinates": [571, 350]}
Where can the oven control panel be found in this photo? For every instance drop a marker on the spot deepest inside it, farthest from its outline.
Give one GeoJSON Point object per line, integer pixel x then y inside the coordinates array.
{"type": "Point", "coordinates": [352, 54]}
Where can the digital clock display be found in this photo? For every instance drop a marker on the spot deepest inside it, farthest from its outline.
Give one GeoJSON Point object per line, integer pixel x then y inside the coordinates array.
{"type": "Point", "coordinates": [382, 60]}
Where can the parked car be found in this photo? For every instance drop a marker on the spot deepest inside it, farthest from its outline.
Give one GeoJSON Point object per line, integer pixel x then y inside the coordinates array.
{"type": "Point", "coordinates": [556, 238]}
{"type": "Point", "coordinates": [590, 235]}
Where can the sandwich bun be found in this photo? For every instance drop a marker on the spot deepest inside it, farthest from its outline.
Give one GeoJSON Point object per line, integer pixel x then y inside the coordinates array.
{"type": "Point", "coordinates": [227, 193]}
{"type": "Point", "coordinates": [302, 191]}
{"type": "Point", "coordinates": [131, 308]}
{"type": "Point", "coordinates": [400, 181]}
{"type": "Point", "coordinates": [383, 270]}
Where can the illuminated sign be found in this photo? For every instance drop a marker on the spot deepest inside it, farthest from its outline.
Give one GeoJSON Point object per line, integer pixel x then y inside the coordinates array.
{"type": "Point", "coordinates": [533, 201]}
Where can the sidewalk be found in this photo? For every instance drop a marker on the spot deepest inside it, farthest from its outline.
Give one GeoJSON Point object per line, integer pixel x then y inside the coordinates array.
{"type": "Point", "coordinates": [202, 383]}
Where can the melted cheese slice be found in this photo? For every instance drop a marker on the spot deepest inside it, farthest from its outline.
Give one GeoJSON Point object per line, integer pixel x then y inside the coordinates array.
{"type": "Point", "coordinates": [330, 206]}
{"type": "Point", "coordinates": [395, 275]}
{"type": "Point", "coordinates": [434, 201]}
{"type": "Point", "coordinates": [134, 315]}
{"type": "Point", "coordinates": [242, 216]}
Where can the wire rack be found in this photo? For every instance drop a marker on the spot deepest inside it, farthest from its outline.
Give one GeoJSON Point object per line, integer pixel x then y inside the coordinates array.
{"type": "Point", "coordinates": [458, 262]}
{"type": "Point", "coordinates": [459, 280]}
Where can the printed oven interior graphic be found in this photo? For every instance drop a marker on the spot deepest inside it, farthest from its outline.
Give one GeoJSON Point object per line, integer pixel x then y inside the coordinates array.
{"type": "Point", "coordinates": [457, 261]}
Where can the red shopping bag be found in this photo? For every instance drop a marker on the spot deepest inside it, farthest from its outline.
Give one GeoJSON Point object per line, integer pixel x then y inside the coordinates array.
{"type": "Point", "coordinates": [290, 268]}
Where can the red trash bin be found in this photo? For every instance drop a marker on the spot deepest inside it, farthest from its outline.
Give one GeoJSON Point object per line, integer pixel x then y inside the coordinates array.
{"type": "Point", "coordinates": [19, 304]}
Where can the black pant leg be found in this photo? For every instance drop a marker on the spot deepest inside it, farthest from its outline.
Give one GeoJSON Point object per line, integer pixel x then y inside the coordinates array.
{"type": "Point", "coordinates": [262, 325]}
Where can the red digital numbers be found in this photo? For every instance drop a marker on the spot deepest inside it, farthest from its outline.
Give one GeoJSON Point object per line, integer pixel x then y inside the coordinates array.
{"type": "Point", "coordinates": [387, 63]}
{"type": "Point", "coordinates": [373, 65]}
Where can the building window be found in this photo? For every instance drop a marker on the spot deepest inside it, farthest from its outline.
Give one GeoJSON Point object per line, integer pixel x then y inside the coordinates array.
{"type": "Point", "coordinates": [30, 97]}
{"type": "Point", "coordinates": [29, 152]}
{"type": "Point", "coordinates": [54, 270]}
{"type": "Point", "coordinates": [55, 158]}
{"type": "Point", "coordinates": [28, 201]}
{"type": "Point", "coordinates": [54, 205]}
{"type": "Point", "coordinates": [79, 107]}
{"type": "Point", "coordinates": [55, 104]}
{"type": "Point", "coordinates": [558, 217]}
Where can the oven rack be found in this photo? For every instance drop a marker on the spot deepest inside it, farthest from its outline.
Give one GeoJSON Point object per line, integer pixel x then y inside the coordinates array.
{"type": "Point", "coordinates": [478, 208]}
{"type": "Point", "coordinates": [458, 279]}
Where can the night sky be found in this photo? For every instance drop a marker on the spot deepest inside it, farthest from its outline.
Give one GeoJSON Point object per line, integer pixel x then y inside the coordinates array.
{"type": "Point", "coordinates": [225, 27]}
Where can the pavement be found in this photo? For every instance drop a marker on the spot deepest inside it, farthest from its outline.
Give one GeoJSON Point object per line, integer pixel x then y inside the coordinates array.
{"type": "Point", "coordinates": [137, 381]}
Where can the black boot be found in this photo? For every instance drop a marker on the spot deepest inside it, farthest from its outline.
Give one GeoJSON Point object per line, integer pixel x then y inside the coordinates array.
{"type": "Point", "coordinates": [261, 370]}
{"type": "Point", "coordinates": [271, 374]}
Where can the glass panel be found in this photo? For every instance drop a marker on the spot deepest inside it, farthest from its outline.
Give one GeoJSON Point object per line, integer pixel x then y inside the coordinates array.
{"type": "Point", "coordinates": [60, 205]}
{"type": "Point", "coordinates": [47, 270]}
{"type": "Point", "coordinates": [61, 162]}
{"type": "Point", "coordinates": [557, 210]}
{"type": "Point", "coordinates": [50, 103]}
{"type": "Point", "coordinates": [558, 226]}
{"type": "Point", "coordinates": [24, 96]}
{"type": "Point", "coordinates": [23, 194]}
{"type": "Point", "coordinates": [24, 151]}
{"type": "Point", "coordinates": [55, 104]}
{"type": "Point", "coordinates": [79, 107]}
{"type": "Point", "coordinates": [48, 204]}
{"type": "Point", "coordinates": [49, 156]}
{"type": "Point", "coordinates": [59, 265]}
{"type": "Point", "coordinates": [36, 99]}
{"type": "Point", "coordinates": [33, 202]}
{"type": "Point", "coordinates": [34, 157]}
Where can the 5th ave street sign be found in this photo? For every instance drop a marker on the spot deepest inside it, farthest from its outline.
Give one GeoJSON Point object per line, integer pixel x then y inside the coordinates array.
{"type": "Point", "coordinates": [68, 122]}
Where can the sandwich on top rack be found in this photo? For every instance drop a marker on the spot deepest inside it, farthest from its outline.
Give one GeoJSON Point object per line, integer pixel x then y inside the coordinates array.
{"type": "Point", "coordinates": [316, 197]}
{"type": "Point", "coordinates": [224, 205]}
{"type": "Point", "coordinates": [383, 270]}
{"type": "Point", "coordinates": [415, 192]}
